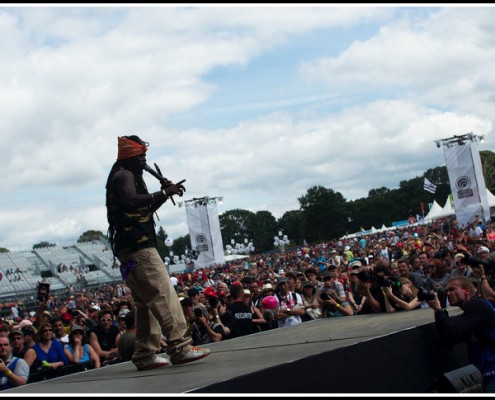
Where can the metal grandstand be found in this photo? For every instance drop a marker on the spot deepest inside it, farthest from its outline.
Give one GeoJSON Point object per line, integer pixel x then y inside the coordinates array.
{"type": "Point", "coordinates": [84, 265]}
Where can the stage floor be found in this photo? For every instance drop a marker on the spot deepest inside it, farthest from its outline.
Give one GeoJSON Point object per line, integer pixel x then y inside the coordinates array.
{"type": "Point", "coordinates": [236, 357]}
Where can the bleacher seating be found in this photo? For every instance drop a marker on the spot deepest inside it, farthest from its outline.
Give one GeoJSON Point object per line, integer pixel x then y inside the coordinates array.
{"type": "Point", "coordinates": [59, 266]}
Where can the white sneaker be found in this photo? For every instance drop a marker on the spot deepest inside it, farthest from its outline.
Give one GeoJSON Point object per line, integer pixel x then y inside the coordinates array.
{"type": "Point", "coordinates": [158, 362]}
{"type": "Point", "coordinates": [196, 353]}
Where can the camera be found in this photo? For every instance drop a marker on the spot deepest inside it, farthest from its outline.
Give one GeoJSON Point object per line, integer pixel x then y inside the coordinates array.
{"type": "Point", "coordinates": [475, 262]}
{"type": "Point", "coordinates": [388, 281]}
{"type": "Point", "coordinates": [324, 296]}
{"type": "Point", "coordinates": [428, 295]}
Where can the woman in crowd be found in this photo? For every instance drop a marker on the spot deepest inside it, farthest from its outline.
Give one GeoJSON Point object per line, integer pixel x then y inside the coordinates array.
{"type": "Point", "coordinates": [334, 306]}
{"type": "Point", "coordinates": [405, 298]}
{"type": "Point", "coordinates": [77, 350]}
{"type": "Point", "coordinates": [49, 353]}
{"type": "Point", "coordinates": [438, 275]}
{"type": "Point", "coordinates": [310, 302]}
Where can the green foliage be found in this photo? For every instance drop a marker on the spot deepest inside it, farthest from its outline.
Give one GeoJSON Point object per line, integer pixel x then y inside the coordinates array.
{"type": "Point", "coordinates": [4, 250]}
{"type": "Point", "coordinates": [41, 245]}
{"type": "Point", "coordinates": [488, 166]}
{"type": "Point", "coordinates": [89, 236]}
{"type": "Point", "coordinates": [264, 229]}
{"type": "Point", "coordinates": [160, 242]}
{"type": "Point", "coordinates": [324, 214]}
{"type": "Point", "coordinates": [291, 223]}
{"type": "Point", "coordinates": [237, 225]}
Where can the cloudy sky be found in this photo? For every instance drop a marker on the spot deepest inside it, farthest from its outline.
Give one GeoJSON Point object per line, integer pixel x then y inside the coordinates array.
{"type": "Point", "coordinates": [253, 103]}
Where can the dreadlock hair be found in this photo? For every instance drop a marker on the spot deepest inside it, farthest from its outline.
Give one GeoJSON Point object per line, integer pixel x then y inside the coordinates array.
{"type": "Point", "coordinates": [138, 176]}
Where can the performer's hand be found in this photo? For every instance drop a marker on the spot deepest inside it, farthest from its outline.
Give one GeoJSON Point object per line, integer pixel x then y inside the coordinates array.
{"type": "Point", "coordinates": [180, 187]}
{"type": "Point", "coordinates": [166, 183]}
{"type": "Point", "coordinates": [177, 188]}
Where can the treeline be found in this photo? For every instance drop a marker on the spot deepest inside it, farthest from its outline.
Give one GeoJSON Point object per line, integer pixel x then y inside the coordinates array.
{"type": "Point", "coordinates": [324, 214]}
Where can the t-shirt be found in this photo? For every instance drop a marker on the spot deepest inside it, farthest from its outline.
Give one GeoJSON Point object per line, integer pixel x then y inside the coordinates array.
{"type": "Point", "coordinates": [244, 318]}
{"type": "Point", "coordinates": [85, 357]}
{"type": "Point", "coordinates": [289, 300]}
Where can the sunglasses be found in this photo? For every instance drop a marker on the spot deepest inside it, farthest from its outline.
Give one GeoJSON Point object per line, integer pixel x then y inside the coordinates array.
{"type": "Point", "coordinates": [46, 330]}
{"type": "Point", "coordinates": [105, 320]}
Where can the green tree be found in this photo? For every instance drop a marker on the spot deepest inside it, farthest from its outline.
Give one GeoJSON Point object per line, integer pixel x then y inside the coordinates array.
{"type": "Point", "coordinates": [89, 236]}
{"type": "Point", "coordinates": [4, 250]}
{"type": "Point", "coordinates": [41, 245]}
{"type": "Point", "coordinates": [324, 214]}
{"type": "Point", "coordinates": [488, 165]}
{"type": "Point", "coordinates": [264, 230]}
{"type": "Point", "coordinates": [161, 235]}
{"type": "Point", "coordinates": [292, 225]}
{"type": "Point", "coordinates": [237, 225]}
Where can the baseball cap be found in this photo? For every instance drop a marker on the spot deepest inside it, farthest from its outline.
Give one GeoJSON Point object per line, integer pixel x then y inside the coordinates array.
{"type": "Point", "coordinates": [483, 249]}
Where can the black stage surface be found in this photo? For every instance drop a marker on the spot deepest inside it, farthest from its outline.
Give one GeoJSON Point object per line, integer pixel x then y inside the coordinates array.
{"type": "Point", "coordinates": [379, 353]}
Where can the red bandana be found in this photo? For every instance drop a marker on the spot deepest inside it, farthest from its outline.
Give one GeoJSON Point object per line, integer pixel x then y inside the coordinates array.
{"type": "Point", "coordinates": [129, 148]}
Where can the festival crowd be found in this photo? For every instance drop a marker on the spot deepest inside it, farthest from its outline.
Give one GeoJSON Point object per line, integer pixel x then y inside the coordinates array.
{"type": "Point", "coordinates": [396, 270]}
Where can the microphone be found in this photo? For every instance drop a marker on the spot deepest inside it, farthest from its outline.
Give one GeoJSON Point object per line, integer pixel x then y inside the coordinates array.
{"type": "Point", "coordinates": [163, 181]}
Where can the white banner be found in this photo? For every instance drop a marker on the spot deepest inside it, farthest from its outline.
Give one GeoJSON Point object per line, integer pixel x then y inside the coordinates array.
{"type": "Point", "coordinates": [204, 231]}
{"type": "Point", "coordinates": [467, 183]}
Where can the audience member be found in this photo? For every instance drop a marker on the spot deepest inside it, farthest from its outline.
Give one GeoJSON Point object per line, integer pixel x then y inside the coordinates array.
{"type": "Point", "coordinates": [310, 302]}
{"type": "Point", "coordinates": [104, 337]}
{"type": "Point", "coordinates": [291, 306]}
{"type": "Point", "coordinates": [332, 305]}
{"type": "Point", "coordinates": [14, 371]}
{"type": "Point", "coordinates": [127, 341]}
{"type": "Point", "coordinates": [49, 352]}
{"type": "Point", "coordinates": [78, 351]}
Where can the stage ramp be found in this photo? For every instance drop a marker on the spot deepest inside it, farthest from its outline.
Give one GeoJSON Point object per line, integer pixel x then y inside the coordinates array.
{"type": "Point", "coordinates": [378, 353]}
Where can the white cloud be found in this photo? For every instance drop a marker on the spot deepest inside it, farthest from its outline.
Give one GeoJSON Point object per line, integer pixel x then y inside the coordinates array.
{"type": "Point", "coordinates": [362, 114]}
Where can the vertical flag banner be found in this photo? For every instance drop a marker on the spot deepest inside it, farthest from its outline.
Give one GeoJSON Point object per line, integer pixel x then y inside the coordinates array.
{"type": "Point", "coordinates": [205, 234]}
{"type": "Point", "coordinates": [467, 183]}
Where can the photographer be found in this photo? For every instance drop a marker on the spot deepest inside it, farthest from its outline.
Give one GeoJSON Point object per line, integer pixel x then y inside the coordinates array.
{"type": "Point", "coordinates": [405, 298]}
{"type": "Point", "coordinates": [369, 286]}
{"type": "Point", "coordinates": [482, 268]}
{"type": "Point", "coordinates": [476, 326]}
{"type": "Point", "coordinates": [205, 329]}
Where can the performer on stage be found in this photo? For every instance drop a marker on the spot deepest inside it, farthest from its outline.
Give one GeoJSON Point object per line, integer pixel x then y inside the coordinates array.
{"type": "Point", "coordinates": [132, 237]}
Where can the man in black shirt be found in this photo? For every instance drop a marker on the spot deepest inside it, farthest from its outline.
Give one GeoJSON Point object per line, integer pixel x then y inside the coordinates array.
{"type": "Point", "coordinates": [242, 313]}
{"type": "Point", "coordinates": [476, 326]}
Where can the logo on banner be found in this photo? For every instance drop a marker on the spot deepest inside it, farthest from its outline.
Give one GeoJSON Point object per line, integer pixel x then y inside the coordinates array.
{"type": "Point", "coordinates": [201, 242]}
{"type": "Point", "coordinates": [463, 185]}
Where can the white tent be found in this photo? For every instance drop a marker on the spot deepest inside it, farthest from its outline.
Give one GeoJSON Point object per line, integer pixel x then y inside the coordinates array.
{"type": "Point", "coordinates": [447, 209]}
{"type": "Point", "coordinates": [435, 210]}
{"type": "Point", "coordinates": [491, 198]}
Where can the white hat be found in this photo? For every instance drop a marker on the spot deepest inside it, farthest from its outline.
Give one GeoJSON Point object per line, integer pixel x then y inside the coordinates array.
{"type": "Point", "coordinates": [346, 248]}
{"type": "Point", "coordinates": [483, 249]}
{"type": "Point", "coordinates": [123, 312]}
